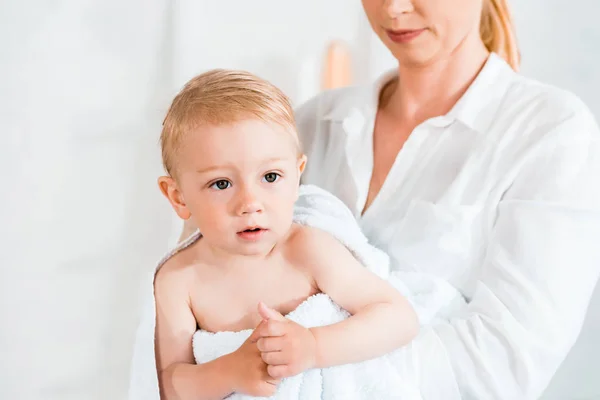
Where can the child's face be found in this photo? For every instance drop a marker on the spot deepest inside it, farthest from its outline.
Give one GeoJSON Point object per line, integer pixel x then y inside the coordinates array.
{"type": "Point", "coordinates": [239, 182]}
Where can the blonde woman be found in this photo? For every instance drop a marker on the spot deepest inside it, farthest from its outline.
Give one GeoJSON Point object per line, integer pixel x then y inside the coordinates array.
{"type": "Point", "coordinates": [457, 166]}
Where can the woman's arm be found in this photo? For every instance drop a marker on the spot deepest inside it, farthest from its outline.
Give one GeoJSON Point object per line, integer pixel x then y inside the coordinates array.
{"type": "Point", "coordinates": [541, 267]}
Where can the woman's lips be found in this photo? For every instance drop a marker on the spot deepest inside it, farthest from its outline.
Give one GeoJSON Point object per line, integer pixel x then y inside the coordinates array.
{"type": "Point", "coordinates": [404, 35]}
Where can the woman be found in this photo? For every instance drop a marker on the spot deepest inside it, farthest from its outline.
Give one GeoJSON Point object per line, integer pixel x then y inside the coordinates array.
{"type": "Point", "coordinates": [459, 167]}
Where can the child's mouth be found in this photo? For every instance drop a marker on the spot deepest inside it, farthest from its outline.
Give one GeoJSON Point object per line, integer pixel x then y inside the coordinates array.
{"type": "Point", "coordinates": [251, 234]}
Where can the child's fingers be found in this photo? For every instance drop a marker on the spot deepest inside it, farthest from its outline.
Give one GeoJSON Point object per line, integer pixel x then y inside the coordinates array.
{"type": "Point", "coordinates": [255, 335]}
{"type": "Point", "coordinates": [278, 371]}
{"type": "Point", "coordinates": [274, 358]}
{"type": "Point", "coordinates": [274, 343]}
{"type": "Point", "coordinates": [272, 328]}
{"type": "Point", "coordinates": [269, 313]}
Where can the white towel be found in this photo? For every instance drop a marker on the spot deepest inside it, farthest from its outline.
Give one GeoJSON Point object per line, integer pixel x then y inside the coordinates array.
{"type": "Point", "coordinates": [432, 298]}
{"type": "Point", "coordinates": [367, 380]}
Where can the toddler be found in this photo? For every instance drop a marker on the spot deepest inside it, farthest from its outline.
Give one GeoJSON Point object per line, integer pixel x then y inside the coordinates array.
{"type": "Point", "coordinates": [233, 163]}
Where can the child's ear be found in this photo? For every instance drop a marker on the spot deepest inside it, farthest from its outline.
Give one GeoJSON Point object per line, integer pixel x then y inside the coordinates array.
{"type": "Point", "coordinates": [171, 191]}
{"type": "Point", "coordinates": [301, 164]}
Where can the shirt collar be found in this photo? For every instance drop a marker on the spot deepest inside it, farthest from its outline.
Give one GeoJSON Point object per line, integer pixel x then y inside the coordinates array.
{"type": "Point", "coordinates": [476, 108]}
{"type": "Point", "coordinates": [483, 99]}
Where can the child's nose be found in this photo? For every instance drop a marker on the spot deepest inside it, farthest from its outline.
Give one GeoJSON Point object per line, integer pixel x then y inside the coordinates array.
{"type": "Point", "coordinates": [249, 203]}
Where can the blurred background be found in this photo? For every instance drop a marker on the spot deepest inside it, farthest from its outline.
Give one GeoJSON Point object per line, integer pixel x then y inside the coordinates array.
{"type": "Point", "coordinates": [84, 85]}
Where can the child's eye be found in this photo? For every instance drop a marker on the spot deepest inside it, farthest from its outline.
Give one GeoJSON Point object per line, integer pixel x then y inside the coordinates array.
{"type": "Point", "coordinates": [221, 185]}
{"type": "Point", "coordinates": [271, 177]}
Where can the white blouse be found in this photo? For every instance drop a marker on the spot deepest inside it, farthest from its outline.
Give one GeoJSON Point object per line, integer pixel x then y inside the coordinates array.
{"type": "Point", "coordinates": [501, 197]}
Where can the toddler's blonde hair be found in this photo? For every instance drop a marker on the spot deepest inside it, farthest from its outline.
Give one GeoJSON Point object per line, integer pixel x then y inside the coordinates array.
{"type": "Point", "coordinates": [222, 96]}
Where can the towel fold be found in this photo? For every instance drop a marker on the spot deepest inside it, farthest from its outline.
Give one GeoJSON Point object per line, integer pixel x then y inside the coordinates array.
{"type": "Point", "coordinates": [378, 378]}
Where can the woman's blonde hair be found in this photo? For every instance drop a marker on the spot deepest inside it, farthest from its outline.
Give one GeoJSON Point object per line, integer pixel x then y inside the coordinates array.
{"type": "Point", "coordinates": [498, 33]}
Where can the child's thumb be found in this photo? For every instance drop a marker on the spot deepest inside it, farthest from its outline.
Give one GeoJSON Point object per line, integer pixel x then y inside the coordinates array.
{"type": "Point", "coordinates": [268, 313]}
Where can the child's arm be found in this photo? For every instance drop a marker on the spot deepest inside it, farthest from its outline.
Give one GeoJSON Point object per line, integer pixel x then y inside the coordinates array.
{"type": "Point", "coordinates": [382, 319]}
{"type": "Point", "coordinates": [179, 377]}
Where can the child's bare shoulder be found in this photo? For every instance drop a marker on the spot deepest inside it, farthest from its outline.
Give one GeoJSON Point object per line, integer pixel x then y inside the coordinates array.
{"type": "Point", "coordinates": [311, 246]}
{"type": "Point", "coordinates": [177, 272]}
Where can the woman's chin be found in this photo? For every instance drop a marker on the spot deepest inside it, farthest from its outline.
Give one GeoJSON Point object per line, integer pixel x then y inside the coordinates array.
{"type": "Point", "coordinates": [416, 56]}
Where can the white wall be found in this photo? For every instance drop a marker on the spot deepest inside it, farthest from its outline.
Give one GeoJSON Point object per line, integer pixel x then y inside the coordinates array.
{"type": "Point", "coordinates": [79, 115]}
{"type": "Point", "coordinates": [84, 85]}
{"type": "Point", "coordinates": [275, 39]}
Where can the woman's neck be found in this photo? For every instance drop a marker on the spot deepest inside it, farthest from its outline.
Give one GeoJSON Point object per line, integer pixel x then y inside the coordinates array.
{"type": "Point", "coordinates": [426, 91]}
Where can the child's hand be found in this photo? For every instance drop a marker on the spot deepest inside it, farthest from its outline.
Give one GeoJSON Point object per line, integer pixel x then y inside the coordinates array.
{"type": "Point", "coordinates": [249, 371]}
{"type": "Point", "coordinates": [287, 347]}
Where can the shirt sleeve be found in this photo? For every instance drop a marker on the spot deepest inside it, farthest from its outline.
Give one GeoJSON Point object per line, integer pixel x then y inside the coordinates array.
{"type": "Point", "coordinates": [541, 266]}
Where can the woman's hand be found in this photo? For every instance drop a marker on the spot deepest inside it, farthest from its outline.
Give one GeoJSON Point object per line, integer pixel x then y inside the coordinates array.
{"type": "Point", "coordinates": [287, 347]}
{"type": "Point", "coordinates": [250, 376]}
